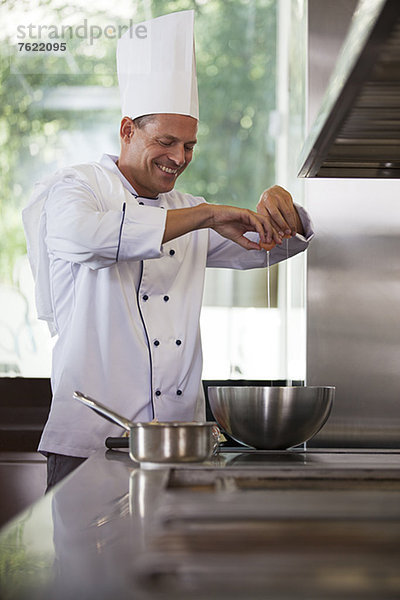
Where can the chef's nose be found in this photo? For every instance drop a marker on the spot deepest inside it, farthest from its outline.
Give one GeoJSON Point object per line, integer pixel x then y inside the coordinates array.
{"type": "Point", "coordinates": [177, 154]}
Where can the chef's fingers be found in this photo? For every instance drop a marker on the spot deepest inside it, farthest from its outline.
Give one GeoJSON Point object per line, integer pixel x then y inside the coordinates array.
{"type": "Point", "coordinates": [258, 224]}
{"type": "Point", "coordinates": [253, 221]}
{"type": "Point", "coordinates": [247, 244]}
{"type": "Point", "coordinates": [233, 222]}
{"type": "Point", "coordinates": [279, 223]}
{"type": "Point", "coordinates": [270, 233]}
{"type": "Point", "coordinates": [278, 203]}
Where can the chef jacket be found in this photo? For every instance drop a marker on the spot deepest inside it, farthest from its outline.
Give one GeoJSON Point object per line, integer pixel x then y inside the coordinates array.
{"type": "Point", "coordinates": [125, 306]}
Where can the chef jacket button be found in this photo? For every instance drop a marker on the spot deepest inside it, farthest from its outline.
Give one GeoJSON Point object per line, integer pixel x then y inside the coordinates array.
{"type": "Point", "coordinates": [179, 392]}
{"type": "Point", "coordinates": [166, 298]}
{"type": "Point", "coordinates": [158, 393]}
{"type": "Point", "coordinates": [178, 342]}
{"type": "Point", "coordinates": [171, 252]}
{"type": "Point", "coordinates": [145, 297]}
{"type": "Point", "coordinates": [141, 203]}
{"type": "Point", "coordinates": [156, 343]}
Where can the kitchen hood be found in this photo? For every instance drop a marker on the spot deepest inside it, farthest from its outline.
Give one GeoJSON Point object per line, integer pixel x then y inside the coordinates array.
{"type": "Point", "coordinates": [357, 131]}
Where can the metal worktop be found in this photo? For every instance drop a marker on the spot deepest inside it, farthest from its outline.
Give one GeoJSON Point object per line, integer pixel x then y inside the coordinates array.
{"type": "Point", "coordinates": [281, 525]}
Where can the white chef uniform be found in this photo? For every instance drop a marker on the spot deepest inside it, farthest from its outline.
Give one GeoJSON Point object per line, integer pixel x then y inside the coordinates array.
{"type": "Point", "coordinates": [125, 306]}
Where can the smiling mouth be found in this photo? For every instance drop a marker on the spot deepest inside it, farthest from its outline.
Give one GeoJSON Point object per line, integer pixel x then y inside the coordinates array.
{"type": "Point", "coordinates": [167, 170]}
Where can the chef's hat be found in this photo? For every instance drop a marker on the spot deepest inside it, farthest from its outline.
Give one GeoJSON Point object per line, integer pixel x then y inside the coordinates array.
{"type": "Point", "coordinates": [157, 68]}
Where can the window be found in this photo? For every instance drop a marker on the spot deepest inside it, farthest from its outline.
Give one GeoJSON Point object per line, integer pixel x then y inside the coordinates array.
{"type": "Point", "coordinates": [61, 107]}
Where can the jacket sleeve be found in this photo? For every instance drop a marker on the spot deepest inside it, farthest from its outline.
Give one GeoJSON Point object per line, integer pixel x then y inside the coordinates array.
{"type": "Point", "coordinates": [225, 253]}
{"type": "Point", "coordinates": [80, 230]}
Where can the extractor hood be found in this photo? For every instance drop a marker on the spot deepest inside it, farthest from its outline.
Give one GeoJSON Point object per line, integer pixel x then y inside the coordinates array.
{"type": "Point", "coordinates": [357, 131]}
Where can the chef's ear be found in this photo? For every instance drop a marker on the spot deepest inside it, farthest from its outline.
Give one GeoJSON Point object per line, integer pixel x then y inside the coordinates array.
{"type": "Point", "coordinates": [127, 129]}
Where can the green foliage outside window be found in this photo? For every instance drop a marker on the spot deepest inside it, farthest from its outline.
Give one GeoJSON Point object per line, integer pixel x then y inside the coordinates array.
{"type": "Point", "coordinates": [235, 51]}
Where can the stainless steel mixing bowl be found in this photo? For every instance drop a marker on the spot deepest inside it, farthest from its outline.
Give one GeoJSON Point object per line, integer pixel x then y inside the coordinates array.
{"type": "Point", "coordinates": [271, 418]}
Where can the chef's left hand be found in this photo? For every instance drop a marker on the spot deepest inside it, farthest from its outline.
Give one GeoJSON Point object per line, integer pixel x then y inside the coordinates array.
{"type": "Point", "coordinates": [277, 203]}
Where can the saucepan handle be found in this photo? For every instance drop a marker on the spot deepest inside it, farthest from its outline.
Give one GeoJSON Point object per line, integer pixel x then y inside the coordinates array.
{"type": "Point", "coordinates": [104, 411]}
{"type": "Point", "coordinates": [117, 442]}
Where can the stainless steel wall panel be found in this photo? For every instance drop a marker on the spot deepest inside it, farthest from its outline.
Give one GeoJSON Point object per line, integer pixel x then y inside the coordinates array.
{"type": "Point", "coordinates": [353, 294]}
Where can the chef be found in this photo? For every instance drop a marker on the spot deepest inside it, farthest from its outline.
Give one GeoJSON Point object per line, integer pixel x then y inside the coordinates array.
{"type": "Point", "coordinates": [119, 255]}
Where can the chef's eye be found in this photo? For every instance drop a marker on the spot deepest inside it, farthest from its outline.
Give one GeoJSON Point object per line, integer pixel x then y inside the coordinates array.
{"type": "Point", "coordinates": [189, 148]}
{"type": "Point", "coordinates": [169, 143]}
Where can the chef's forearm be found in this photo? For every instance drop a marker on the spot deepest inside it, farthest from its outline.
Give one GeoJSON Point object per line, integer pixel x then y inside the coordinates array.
{"type": "Point", "coordinates": [183, 220]}
{"type": "Point", "coordinates": [229, 221]}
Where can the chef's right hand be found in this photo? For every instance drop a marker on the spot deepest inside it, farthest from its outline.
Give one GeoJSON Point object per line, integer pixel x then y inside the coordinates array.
{"type": "Point", "coordinates": [232, 223]}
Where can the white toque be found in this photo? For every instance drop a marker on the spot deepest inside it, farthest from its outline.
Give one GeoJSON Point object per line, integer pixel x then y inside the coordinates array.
{"type": "Point", "coordinates": [157, 67]}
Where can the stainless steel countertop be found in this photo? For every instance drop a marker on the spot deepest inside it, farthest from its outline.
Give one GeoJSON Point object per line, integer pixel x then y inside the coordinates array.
{"type": "Point", "coordinates": [281, 525]}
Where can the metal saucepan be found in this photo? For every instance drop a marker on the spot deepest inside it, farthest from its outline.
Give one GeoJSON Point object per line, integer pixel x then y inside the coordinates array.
{"type": "Point", "coordinates": [271, 418]}
{"type": "Point", "coordinates": [157, 442]}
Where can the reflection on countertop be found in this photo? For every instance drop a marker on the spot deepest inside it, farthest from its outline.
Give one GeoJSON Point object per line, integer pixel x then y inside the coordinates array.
{"type": "Point", "coordinates": [282, 525]}
{"type": "Point", "coordinates": [23, 476]}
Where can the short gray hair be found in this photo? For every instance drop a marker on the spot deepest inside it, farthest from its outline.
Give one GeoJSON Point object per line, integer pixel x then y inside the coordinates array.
{"type": "Point", "coordinates": [142, 121]}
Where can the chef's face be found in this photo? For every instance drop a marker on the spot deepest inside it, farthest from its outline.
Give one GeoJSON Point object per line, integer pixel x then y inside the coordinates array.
{"type": "Point", "coordinates": [155, 154]}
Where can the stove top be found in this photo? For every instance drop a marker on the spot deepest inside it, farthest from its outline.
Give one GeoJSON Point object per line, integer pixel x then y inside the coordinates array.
{"type": "Point", "coordinates": [319, 523]}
